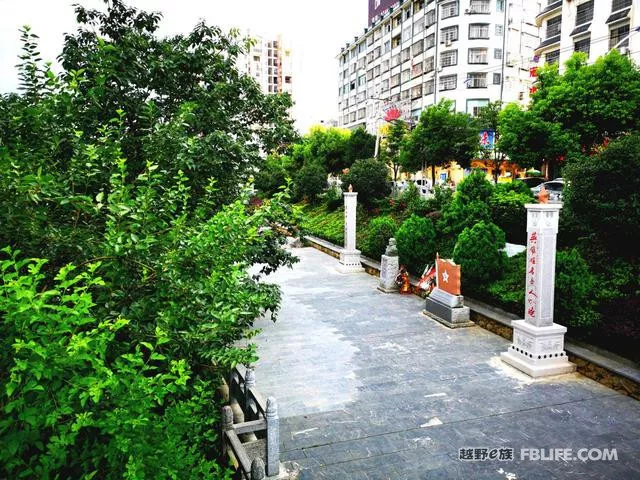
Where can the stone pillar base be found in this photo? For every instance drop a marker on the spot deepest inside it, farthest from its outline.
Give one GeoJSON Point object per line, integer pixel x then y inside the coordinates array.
{"type": "Point", "coordinates": [350, 262]}
{"type": "Point", "coordinates": [538, 351]}
{"type": "Point", "coordinates": [447, 309]}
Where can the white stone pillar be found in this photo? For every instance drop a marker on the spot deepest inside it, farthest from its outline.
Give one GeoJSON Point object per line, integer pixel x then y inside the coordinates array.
{"type": "Point", "coordinates": [538, 343]}
{"type": "Point", "coordinates": [350, 256]}
{"type": "Point", "coordinates": [389, 267]}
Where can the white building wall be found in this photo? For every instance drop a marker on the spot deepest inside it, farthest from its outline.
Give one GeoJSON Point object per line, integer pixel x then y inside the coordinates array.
{"type": "Point", "coordinates": [598, 32]}
{"type": "Point", "coordinates": [385, 66]}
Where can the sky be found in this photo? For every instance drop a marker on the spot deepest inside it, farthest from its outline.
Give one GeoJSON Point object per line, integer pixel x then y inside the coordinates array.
{"type": "Point", "coordinates": [316, 29]}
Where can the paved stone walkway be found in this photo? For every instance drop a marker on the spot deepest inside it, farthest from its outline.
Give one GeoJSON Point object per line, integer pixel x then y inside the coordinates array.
{"type": "Point", "coordinates": [369, 388]}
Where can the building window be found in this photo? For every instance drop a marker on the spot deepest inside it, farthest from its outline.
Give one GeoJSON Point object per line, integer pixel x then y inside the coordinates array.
{"type": "Point", "coordinates": [619, 37]}
{"type": "Point", "coordinates": [406, 34]}
{"type": "Point", "coordinates": [430, 42]}
{"type": "Point", "coordinates": [474, 106]}
{"type": "Point", "coordinates": [583, 46]}
{"type": "Point", "coordinates": [620, 4]}
{"type": "Point", "coordinates": [449, 34]}
{"type": "Point", "coordinates": [449, 10]}
{"type": "Point", "coordinates": [429, 87]}
{"type": "Point", "coordinates": [397, 21]}
{"type": "Point", "coordinates": [405, 76]}
{"type": "Point", "coordinates": [418, 26]}
{"type": "Point", "coordinates": [477, 80]}
{"type": "Point", "coordinates": [404, 95]}
{"type": "Point", "coordinates": [376, 71]}
{"type": "Point", "coordinates": [497, 78]}
{"type": "Point", "coordinates": [417, 6]}
{"type": "Point", "coordinates": [552, 57]}
{"type": "Point", "coordinates": [387, 27]}
{"type": "Point", "coordinates": [407, 14]}
{"type": "Point", "coordinates": [416, 92]}
{"type": "Point", "coordinates": [478, 31]}
{"type": "Point", "coordinates": [385, 66]}
{"type": "Point", "coordinates": [369, 40]}
{"type": "Point", "coordinates": [431, 17]}
{"type": "Point", "coordinates": [497, 53]}
{"type": "Point", "coordinates": [499, 30]}
{"type": "Point", "coordinates": [416, 70]}
{"type": "Point", "coordinates": [480, 6]}
{"type": "Point", "coordinates": [448, 82]}
{"type": "Point", "coordinates": [406, 54]}
{"type": "Point", "coordinates": [395, 60]}
{"type": "Point", "coordinates": [385, 84]}
{"type": "Point", "coordinates": [395, 80]}
{"type": "Point", "coordinates": [429, 65]}
{"type": "Point", "coordinates": [370, 75]}
{"type": "Point", "coordinates": [352, 86]}
{"type": "Point", "coordinates": [417, 48]}
{"type": "Point", "coordinates": [478, 55]}
{"type": "Point", "coordinates": [449, 58]}
{"type": "Point", "coordinates": [387, 46]}
{"type": "Point", "coordinates": [500, 5]}
{"type": "Point", "coordinates": [353, 117]}
{"type": "Point", "coordinates": [584, 13]}
{"type": "Point", "coordinates": [554, 27]}
{"type": "Point", "coordinates": [362, 80]}
{"type": "Point", "coordinates": [362, 113]}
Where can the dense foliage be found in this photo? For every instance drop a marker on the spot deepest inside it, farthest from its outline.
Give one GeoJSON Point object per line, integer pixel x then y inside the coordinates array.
{"type": "Point", "coordinates": [126, 174]}
{"type": "Point", "coordinates": [479, 253]}
{"type": "Point", "coordinates": [310, 181]}
{"type": "Point", "coordinates": [369, 179]}
{"type": "Point", "coordinates": [416, 240]}
{"type": "Point", "coordinates": [381, 229]}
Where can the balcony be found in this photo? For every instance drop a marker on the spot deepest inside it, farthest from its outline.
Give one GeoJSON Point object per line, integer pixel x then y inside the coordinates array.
{"type": "Point", "coordinates": [553, 7]}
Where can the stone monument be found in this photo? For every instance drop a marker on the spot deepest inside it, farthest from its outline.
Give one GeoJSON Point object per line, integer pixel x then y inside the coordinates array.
{"type": "Point", "coordinates": [389, 266]}
{"type": "Point", "coordinates": [538, 343]}
{"type": "Point", "coordinates": [349, 255]}
{"type": "Point", "coordinates": [445, 303]}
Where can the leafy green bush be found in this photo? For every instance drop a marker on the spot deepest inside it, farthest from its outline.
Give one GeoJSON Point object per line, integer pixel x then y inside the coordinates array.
{"type": "Point", "coordinates": [310, 181]}
{"type": "Point", "coordinates": [328, 225]}
{"type": "Point", "coordinates": [369, 179]}
{"type": "Point", "coordinates": [507, 292]}
{"type": "Point", "coordinates": [508, 213]}
{"type": "Point", "coordinates": [333, 198]}
{"type": "Point", "coordinates": [516, 186]}
{"type": "Point", "coordinates": [457, 216]}
{"type": "Point", "coordinates": [380, 230]}
{"type": "Point", "coordinates": [442, 197]}
{"type": "Point", "coordinates": [416, 240]}
{"type": "Point", "coordinates": [576, 291]}
{"type": "Point", "coordinates": [603, 193]}
{"type": "Point", "coordinates": [474, 188]}
{"type": "Point", "coordinates": [273, 174]}
{"type": "Point", "coordinates": [479, 253]}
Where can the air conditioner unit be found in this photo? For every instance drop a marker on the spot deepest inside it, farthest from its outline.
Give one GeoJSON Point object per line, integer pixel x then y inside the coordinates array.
{"type": "Point", "coordinates": [467, 11]}
{"type": "Point", "coordinates": [447, 43]}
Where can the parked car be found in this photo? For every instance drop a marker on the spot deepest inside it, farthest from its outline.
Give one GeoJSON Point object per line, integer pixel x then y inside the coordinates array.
{"type": "Point", "coordinates": [554, 187]}
{"type": "Point", "coordinates": [531, 182]}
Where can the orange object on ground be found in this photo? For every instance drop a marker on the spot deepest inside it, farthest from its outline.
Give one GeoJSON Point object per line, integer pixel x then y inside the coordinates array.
{"type": "Point", "coordinates": [403, 281]}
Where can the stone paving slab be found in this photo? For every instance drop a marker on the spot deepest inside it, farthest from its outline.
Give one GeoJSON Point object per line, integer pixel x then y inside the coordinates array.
{"type": "Point", "coordinates": [369, 388]}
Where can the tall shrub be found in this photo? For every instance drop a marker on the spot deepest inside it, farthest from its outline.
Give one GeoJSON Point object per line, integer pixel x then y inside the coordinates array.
{"type": "Point", "coordinates": [369, 179]}
{"type": "Point", "coordinates": [380, 230]}
{"type": "Point", "coordinates": [479, 253]}
{"type": "Point", "coordinates": [416, 241]}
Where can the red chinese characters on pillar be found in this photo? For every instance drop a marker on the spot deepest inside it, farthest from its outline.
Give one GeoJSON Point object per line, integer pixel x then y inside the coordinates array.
{"type": "Point", "coordinates": [532, 290]}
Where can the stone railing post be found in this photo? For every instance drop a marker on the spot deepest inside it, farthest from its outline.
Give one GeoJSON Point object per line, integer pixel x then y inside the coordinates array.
{"type": "Point", "coordinates": [538, 343]}
{"type": "Point", "coordinates": [349, 255]}
{"type": "Point", "coordinates": [227, 424]}
{"type": "Point", "coordinates": [257, 469]}
{"type": "Point", "coordinates": [249, 382]}
{"type": "Point", "coordinates": [273, 437]}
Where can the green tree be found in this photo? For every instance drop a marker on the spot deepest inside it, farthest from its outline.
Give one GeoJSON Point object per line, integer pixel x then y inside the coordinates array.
{"type": "Point", "coordinates": [441, 136]}
{"type": "Point", "coordinates": [369, 179]}
{"type": "Point", "coordinates": [361, 145]}
{"type": "Point", "coordinates": [393, 144]}
{"type": "Point", "coordinates": [528, 140]}
{"type": "Point", "coordinates": [593, 102]}
{"type": "Point", "coordinates": [326, 147]}
{"type": "Point", "coordinates": [273, 174]}
{"type": "Point", "coordinates": [310, 181]}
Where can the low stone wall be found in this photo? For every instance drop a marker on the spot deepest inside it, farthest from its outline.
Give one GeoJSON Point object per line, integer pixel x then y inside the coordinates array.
{"type": "Point", "coordinates": [615, 373]}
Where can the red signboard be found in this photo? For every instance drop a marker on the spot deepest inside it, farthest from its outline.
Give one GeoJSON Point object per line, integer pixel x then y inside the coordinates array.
{"type": "Point", "coordinates": [376, 7]}
{"type": "Point", "coordinates": [392, 114]}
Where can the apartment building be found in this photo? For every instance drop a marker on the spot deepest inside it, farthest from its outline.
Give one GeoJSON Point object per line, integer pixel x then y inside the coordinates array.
{"type": "Point", "coordinates": [589, 26]}
{"type": "Point", "coordinates": [269, 62]}
{"type": "Point", "coordinates": [415, 52]}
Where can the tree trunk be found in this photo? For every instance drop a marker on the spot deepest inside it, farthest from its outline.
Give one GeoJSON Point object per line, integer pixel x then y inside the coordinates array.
{"type": "Point", "coordinates": [433, 176]}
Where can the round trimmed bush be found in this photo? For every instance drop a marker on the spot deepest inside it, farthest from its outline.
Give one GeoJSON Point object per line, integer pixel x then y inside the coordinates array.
{"type": "Point", "coordinates": [479, 253]}
{"type": "Point", "coordinates": [508, 213]}
{"type": "Point", "coordinates": [381, 229]}
{"type": "Point", "coordinates": [416, 241]}
{"type": "Point", "coordinates": [369, 179]}
{"type": "Point", "coordinates": [474, 188]}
